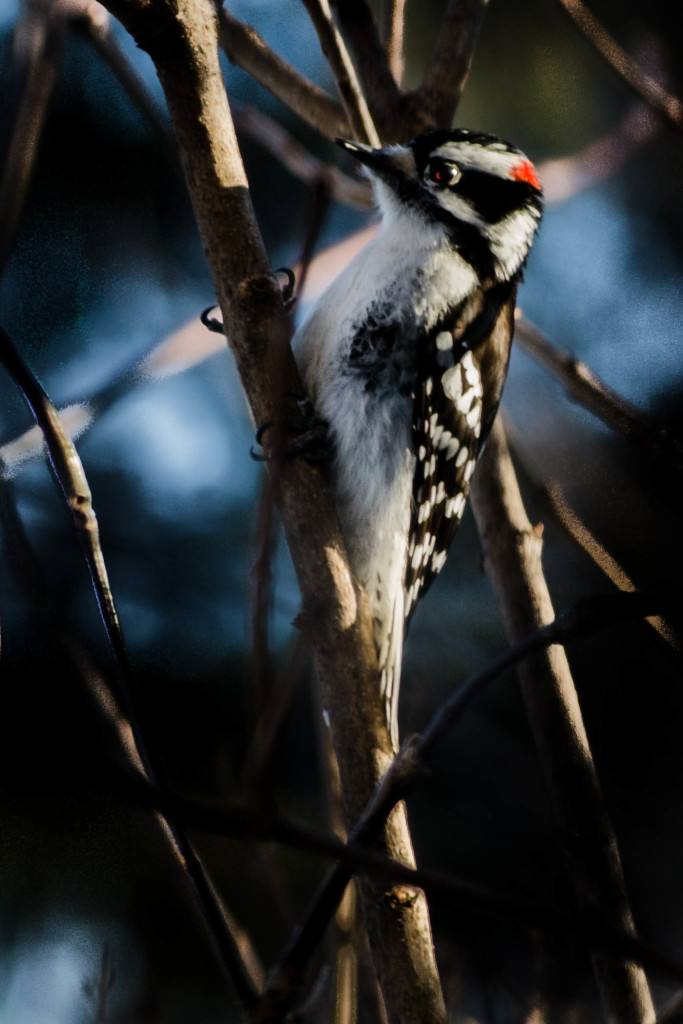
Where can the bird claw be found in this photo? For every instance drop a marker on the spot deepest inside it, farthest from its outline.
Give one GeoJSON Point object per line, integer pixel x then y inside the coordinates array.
{"type": "Point", "coordinates": [210, 322]}
{"type": "Point", "coordinates": [287, 290]}
{"type": "Point", "coordinates": [312, 442]}
{"type": "Point", "coordinates": [215, 325]}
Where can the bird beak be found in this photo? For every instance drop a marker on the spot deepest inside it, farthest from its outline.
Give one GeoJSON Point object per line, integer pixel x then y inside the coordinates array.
{"type": "Point", "coordinates": [385, 163]}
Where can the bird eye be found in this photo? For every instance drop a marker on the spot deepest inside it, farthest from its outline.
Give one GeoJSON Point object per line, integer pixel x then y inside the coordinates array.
{"type": "Point", "coordinates": [443, 173]}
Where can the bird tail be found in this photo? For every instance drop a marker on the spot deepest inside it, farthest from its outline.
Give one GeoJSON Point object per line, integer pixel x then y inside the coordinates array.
{"type": "Point", "coordinates": [390, 657]}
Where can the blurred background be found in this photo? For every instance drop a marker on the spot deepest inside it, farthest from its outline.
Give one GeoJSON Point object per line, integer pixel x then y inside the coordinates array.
{"type": "Point", "coordinates": [106, 266]}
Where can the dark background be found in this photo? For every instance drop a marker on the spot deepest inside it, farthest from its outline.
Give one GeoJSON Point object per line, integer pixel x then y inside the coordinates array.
{"type": "Point", "coordinates": [108, 264]}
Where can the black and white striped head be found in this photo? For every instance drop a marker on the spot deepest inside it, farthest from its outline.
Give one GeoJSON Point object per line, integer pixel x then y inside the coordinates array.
{"type": "Point", "coordinates": [480, 192]}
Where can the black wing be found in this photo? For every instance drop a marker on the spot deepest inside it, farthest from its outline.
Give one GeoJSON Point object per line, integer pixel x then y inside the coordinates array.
{"type": "Point", "coordinates": [461, 374]}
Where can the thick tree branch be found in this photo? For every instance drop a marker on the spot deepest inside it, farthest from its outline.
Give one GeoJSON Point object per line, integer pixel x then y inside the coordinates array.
{"type": "Point", "coordinates": [512, 550]}
{"type": "Point", "coordinates": [245, 48]}
{"type": "Point", "coordinates": [181, 37]}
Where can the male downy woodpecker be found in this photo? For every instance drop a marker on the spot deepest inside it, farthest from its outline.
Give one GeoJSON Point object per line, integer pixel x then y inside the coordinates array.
{"type": "Point", "coordinates": [405, 356]}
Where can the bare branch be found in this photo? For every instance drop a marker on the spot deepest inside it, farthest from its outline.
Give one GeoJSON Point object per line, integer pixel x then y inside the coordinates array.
{"type": "Point", "coordinates": [625, 66]}
{"type": "Point", "coordinates": [69, 474]}
{"type": "Point", "coordinates": [587, 616]}
{"type": "Point", "coordinates": [384, 97]}
{"type": "Point", "coordinates": [93, 20]}
{"type": "Point", "coordinates": [343, 70]}
{"type": "Point", "coordinates": [673, 1011]}
{"type": "Point", "coordinates": [39, 37]}
{"type": "Point", "coordinates": [552, 497]}
{"type": "Point", "coordinates": [181, 39]}
{"type": "Point", "coordinates": [568, 176]}
{"type": "Point", "coordinates": [299, 161]}
{"type": "Point", "coordinates": [586, 388]}
{"type": "Point", "coordinates": [394, 25]}
{"type": "Point", "coordinates": [245, 48]}
{"type": "Point", "coordinates": [449, 65]}
{"type": "Point", "coordinates": [512, 551]}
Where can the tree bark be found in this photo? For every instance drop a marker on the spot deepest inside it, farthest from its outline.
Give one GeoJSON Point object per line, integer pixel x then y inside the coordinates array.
{"type": "Point", "coordinates": [181, 36]}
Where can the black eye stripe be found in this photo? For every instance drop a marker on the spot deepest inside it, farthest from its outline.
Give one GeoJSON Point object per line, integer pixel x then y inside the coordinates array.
{"type": "Point", "coordinates": [493, 197]}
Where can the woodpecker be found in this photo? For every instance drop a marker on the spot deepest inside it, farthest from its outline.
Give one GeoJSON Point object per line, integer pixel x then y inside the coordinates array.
{"type": "Point", "coordinates": [405, 356]}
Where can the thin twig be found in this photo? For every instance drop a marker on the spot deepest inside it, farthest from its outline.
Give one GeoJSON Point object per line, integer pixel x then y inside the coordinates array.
{"type": "Point", "coordinates": [70, 476]}
{"type": "Point", "coordinates": [512, 550]}
{"type": "Point", "coordinates": [81, 666]}
{"type": "Point", "coordinates": [394, 26]}
{"type": "Point", "coordinates": [449, 65]}
{"type": "Point", "coordinates": [568, 176]}
{"type": "Point", "coordinates": [299, 161]}
{"type": "Point", "coordinates": [245, 48]}
{"type": "Point", "coordinates": [587, 616]}
{"type": "Point", "coordinates": [625, 66]}
{"type": "Point", "coordinates": [99, 32]}
{"type": "Point", "coordinates": [673, 1011]}
{"type": "Point", "coordinates": [343, 70]}
{"type": "Point", "coordinates": [552, 496]}
{"type": "Point", "coordinates": [384, 97]}
{"type": "Point", "coordinates": [39, 37]}
{"type": "Point", "coordinates": [586, 388]}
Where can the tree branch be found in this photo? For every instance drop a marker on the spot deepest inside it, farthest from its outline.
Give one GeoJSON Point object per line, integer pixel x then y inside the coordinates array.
{"type": "Point", "coordinates": [181, 37]}
{"type": "Point", "coordinates": [383, 94]}
{"type": "Point", "coordinates": [343, 70]}
{"type": "Point", "coordinates": [244, 47]}
{"type": "Point", "coordinates": [299, 161]}
{"type": "Point", "coordinates": [552, 497]}
{"type": "Point", "coordinates": [512, 551]}
{"type": "Point", "coordinates": [586, 388]}
{"type": "Point", "coordinates": [625, 66]}
{"type": "Point", "coordinates": [449, 65]}
{"type": "Point", "coordinates": [394, 30]}
{"type": "Point", "coordinates": [70, 476]}
{"type": "Point", "coordinates": [39, 37]}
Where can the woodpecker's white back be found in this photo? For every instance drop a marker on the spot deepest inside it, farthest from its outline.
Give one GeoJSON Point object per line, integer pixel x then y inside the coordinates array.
{"type": "Point", "coordinates": [405, 355]}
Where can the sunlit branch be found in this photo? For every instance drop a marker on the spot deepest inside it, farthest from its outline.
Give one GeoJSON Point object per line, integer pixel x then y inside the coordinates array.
{"type": "Point", "coordinates": [181, 39]}
{"type": "Point", "coordinates": [625, 66]}
{"type": "Point", "coordinates": [383, 94]}
{"type": "Point", "coordinates": [394, 26]}
{"type": "Point", "coordinates": [585, 387]}
{"type": "Point", "coordinates": [342, 68]}
{"type": "Point", "coordinates": [449, 66]}
{"type": "Point", "coordinates": [244, 47]}
{"type": "Point", "coordinates": [70, 476]}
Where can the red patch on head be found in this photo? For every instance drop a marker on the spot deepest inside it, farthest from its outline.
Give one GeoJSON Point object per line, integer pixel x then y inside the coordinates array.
{"type": "Point", "coordinates": [525, 171]}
